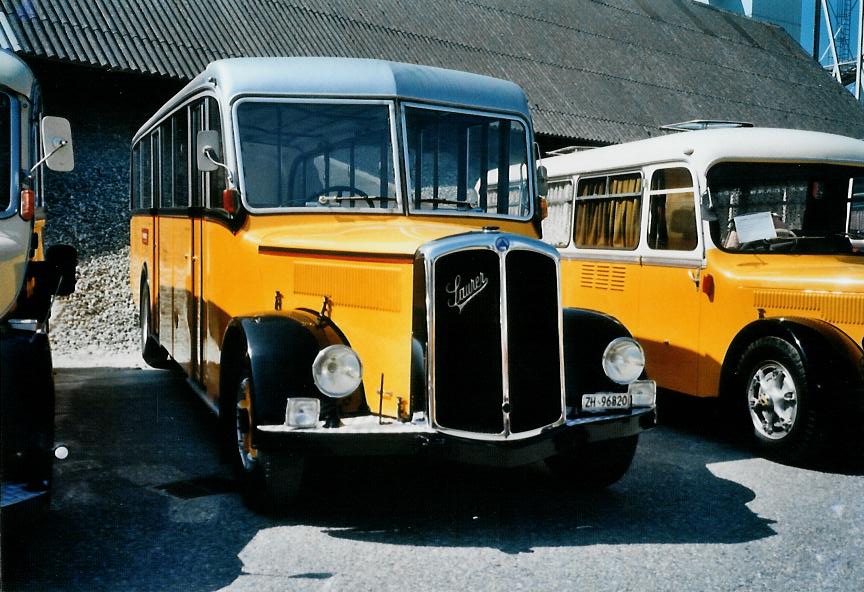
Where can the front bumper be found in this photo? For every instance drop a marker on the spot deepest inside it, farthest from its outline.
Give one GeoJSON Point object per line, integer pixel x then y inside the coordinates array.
{"type": "Point", "coordinates": [367, 437]}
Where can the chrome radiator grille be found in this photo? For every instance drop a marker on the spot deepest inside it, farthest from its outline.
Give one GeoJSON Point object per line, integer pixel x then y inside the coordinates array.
{"type": "Point", "coordinates": [493, 343]}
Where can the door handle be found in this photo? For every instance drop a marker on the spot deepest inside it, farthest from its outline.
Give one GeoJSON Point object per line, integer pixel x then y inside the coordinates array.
{"type": "Point", "coordinates": [694, 277]}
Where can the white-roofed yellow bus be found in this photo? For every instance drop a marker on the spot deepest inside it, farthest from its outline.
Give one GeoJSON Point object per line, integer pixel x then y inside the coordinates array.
{"type": "Point", "coordinates": [736, 257]}
{"type": "Point", "coordinates": [316, 244]}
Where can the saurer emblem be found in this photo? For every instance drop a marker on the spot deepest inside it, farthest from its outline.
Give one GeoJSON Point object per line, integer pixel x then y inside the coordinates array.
{"type": "Point", "coordinates": [462, 292]}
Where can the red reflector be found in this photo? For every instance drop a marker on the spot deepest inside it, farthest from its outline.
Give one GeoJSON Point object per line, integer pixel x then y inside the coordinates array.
{"type": "Point", "coordinates": [229, 200]}
{"type": "Point", "coordinates": [708, 286]}
{"type": "Point", "coordinates": [28, 204]}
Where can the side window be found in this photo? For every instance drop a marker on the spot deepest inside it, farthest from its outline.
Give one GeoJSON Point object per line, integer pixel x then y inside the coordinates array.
{"type": "Point", "coordinates": [180, 159]}
{"type": "Point", "coordinates": [135, 179]}
{"type": "Point", "coordinates": [146, 178]}
{"type": "Point", "coordinates": [556, 227]}
{"type": "Point", "coordinates": [856, 208]}
{"type": "Point", "coordinates": [154, 171]}
{"type": "Point", "coordinates": [217, 177]}
{"type": "Point", "coordinates": [166, 177]}
{"type": "Point", "coordinates": [672, 211]}
{"type": "Point", "coordinates": [608, 211]}
{"type": "Point", "coordinates": [196, 121]}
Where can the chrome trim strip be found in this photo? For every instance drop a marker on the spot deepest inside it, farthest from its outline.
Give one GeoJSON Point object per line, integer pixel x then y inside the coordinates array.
{"type": "Point", "coordinates": [505, 341]}
{"type": "Point", "coordinates": [672, 261]}
{"type": "Point", "coordinates": [571, 254]}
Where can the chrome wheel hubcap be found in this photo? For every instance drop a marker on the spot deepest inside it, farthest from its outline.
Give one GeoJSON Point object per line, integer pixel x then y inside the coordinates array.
{"type": "Point", "coordinates": [773, 400]}
{"type": "Point", "coordinates": [243, 423]}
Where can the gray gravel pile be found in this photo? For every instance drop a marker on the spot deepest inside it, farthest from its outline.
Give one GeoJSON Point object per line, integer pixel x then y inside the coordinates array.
{"type": "Point", "coordinates": [88, 208]}
{"type": "Point", "coordinates": [98, 322]}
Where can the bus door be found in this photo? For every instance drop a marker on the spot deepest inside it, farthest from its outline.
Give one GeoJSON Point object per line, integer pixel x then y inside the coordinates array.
{"type": "Point", "coordinates": [197, 189]}
{"type": "Point", "coordinates": [175, 241]}
{"type": "Point", "coordinates": [672, 259]}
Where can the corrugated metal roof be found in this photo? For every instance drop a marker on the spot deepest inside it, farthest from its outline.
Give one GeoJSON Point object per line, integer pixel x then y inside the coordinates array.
{"type": "Point", "coordinates": [596, 70]}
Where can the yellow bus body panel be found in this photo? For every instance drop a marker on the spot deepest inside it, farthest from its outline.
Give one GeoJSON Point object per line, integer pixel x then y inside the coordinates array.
{"type": "Point", "coordinates": [686, 334]}
{"type": "Point", "coordinates": [362, 264]}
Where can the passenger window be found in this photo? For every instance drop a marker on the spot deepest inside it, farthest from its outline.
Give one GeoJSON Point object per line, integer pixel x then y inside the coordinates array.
{"type": "Point", "coordinates": [135, 180]}
{"type": "Point", "coordinates": [556, 226]}
{"type": "Point", "coordinates": [217, 177]}
{"type": "Point", "coordinates": [608, 211]}
{"type": "Point", "coordinates": [672, 211]}
{"type": "Point", "coordinates": [856, 209]}
{"type": "Point", "coordinates": [166, 178]}
{"type": "Point", "coordinates": [180, 132]}
{"type": "Point", "coordinates": [146, 174]}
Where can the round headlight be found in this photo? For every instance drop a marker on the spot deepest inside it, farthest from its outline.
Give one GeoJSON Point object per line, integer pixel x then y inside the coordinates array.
{"type": "Point", "coordinates": [337, 371]}
{"type": "Point", "coordinates": [623, 360]}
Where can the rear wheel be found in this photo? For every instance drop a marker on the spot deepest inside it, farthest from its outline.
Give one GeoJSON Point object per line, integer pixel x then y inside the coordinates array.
{"type": "Point", "coordinates": [785, 418]}
{"type": "Point", "coordinates": [269, 481]}
{"type": "Point", "coordinates": [153, 353]}
{"type": "Point", "coordinates": [596, 465]}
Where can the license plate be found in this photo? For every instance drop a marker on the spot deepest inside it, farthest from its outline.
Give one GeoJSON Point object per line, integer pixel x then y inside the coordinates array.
{"type": "Point", "coordinates": [605, 402]}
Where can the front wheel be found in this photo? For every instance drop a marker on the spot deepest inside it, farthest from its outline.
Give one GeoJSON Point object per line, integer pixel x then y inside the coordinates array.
{"type": "Point", "coordinates": [596, 465]}
{"type": "Point", "coordinates": [786, 420]}
{"type": "Point", "coordinates": [269, 482]}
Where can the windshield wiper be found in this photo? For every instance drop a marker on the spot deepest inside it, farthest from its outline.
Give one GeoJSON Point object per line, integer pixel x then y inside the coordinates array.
{"type": "Point", "coordinates": [448, 202]}
{"type": "Point", "coordinates": [370, 199]}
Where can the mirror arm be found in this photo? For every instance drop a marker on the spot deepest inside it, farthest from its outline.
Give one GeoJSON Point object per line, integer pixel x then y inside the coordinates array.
{"type": "Point", "coordinates": [61, 144]}
{"type": "Point", "coordinates": [207, 153]}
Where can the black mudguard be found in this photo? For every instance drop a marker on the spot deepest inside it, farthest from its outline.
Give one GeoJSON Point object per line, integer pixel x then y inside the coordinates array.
{"type": "Point", "coordinates": [281, 347]}
{"type": "Point", "coordinates": [833, 361]}
{"type": "Point", "coordinates": [586, 335]}
{"type": "Point", "coordinates": [26, 407]}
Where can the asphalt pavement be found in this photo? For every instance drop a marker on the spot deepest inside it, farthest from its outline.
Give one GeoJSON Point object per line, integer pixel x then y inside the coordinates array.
{"type": "Point", "coordinates": [145, 503]}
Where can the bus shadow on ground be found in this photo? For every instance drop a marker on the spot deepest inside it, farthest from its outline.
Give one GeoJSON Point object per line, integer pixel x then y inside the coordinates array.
{"type": "Point", "coordinates": [707, 419]}
{"type": "Point", "coordinates": [668, 496]}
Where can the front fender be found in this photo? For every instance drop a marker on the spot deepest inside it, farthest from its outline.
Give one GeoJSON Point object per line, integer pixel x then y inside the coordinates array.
{"type": "Point", "coordinates": [833, 361]}
{"type": "Point", "coordinates": [280, 347]}
{"type": "Point", "coordinates": [586, 335]}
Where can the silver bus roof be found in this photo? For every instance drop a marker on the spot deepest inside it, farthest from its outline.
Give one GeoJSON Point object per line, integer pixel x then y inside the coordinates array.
{"type": "Point", "coordinates": [15, 75]}
{"type": "Point", "coordinates": [352, 78]}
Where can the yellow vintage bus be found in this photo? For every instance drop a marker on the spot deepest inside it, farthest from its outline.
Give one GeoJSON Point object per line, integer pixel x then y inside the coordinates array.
{"type": "Point", "coordinates": [30, 277]}
{"type": "Point", "coordinates": [735, 256]}
{"type": "Point", "coordinates": [317, 244]}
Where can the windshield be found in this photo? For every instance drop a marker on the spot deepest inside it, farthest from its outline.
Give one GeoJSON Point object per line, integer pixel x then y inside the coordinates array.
{"type": "Point", "coordinates": [457, 162]}
{"type": "Point", "coordinates": [788, 208]}
{"type": "Point", "coordinates": [5, 151]}
{"type": "Point", "coordinates": [317, 155]}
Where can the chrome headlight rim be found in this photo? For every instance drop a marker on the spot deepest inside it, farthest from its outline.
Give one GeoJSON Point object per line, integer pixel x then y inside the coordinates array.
{"type": "Point", "coordinates": [613, 357]}
{"type": "Point", "coordinates": [337, 359]}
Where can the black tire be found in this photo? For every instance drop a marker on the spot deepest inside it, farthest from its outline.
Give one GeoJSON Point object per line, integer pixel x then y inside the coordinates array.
{"type": "Point", "coordinates": [268, 481]}
{"type": "Point", "coordinates": [790, 425]}
{"type": "Point", "coordinates": [153, 354]}
{"type": "Point", "coordinates": [594, 466]}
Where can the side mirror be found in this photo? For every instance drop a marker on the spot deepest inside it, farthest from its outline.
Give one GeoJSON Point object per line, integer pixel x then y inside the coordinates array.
{"type": "Point", "coordinates": [57, 144]}
{"type": "Point", "coordinates": [207, 151]}
{"type": "Point", "coordinates": [64, 259]}
{"type": "Point", "coordinates": [542, 180]}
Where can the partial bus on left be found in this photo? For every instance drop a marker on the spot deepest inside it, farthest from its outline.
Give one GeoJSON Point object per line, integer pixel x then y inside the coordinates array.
{"type": "Point", "coordinates": [30, 277]}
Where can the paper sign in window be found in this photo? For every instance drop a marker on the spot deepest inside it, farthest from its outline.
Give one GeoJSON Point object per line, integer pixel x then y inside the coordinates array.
{"type": "Point", "coordinates": [753, 227]}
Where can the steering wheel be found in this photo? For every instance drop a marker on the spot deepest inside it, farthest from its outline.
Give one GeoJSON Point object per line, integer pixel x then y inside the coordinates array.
{"type": "Point", "coordinates": [350, 190]}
